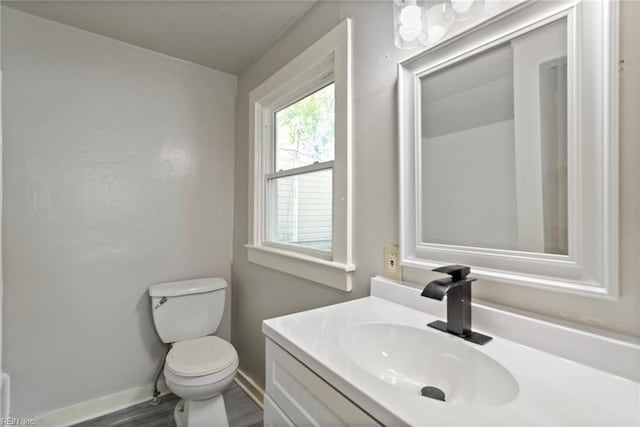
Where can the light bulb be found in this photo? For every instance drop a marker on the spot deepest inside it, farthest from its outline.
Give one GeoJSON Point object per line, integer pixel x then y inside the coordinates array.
{"type": "Point", "coordinates": [461, 6]}
{"type": "Point", "coordinates": [408, 33]}
{"type": "Point", "coordinates": [437, 23]}
{"type": "Point", "coordinates": [436, 32]}
{"type": "Point", "coordinates": [410, 16]}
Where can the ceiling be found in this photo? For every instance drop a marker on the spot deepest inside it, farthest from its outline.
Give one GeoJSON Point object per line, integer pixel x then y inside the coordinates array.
{"type": "Point", "coordinates": [224, 35]}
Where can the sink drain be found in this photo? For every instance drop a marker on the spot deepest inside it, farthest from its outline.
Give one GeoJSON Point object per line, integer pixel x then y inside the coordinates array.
{"type": "Point", "coordinates": [433, 393]}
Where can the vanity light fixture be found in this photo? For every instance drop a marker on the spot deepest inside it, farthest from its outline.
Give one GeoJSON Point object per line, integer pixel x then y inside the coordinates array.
{"type": "Point", "coordinates": [410, 23]}
{"type": "Point", "coordinates": [421, 22]}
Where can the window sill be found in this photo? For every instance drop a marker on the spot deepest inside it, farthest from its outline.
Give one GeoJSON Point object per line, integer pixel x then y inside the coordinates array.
{"type": "Point", "coordinates": [329, 273]}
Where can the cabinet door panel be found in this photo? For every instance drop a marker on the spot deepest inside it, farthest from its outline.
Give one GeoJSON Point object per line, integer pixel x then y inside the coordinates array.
{"type": "Point", "coordinates": [305, 398]}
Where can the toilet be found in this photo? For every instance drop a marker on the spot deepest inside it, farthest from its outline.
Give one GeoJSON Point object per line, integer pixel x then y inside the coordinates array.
{"type": "Point", "coordinates": [199, 365]}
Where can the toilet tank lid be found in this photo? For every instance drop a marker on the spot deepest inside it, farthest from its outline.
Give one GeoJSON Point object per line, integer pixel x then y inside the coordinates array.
{"type": "Point", "coordinates": [187, 287]}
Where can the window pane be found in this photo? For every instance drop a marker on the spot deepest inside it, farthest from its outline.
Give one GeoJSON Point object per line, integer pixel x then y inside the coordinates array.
{"type": "Point", "coordinates": [305, 130]}
{"type": "Point", "coordinates": [300, 209]}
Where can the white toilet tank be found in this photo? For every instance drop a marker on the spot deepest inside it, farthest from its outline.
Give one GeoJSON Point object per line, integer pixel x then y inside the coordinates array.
{"type": "Point", "coordinates": [187, 309]}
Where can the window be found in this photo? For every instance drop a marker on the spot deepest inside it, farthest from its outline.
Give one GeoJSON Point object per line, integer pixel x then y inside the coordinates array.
{"type": "Point", "coordinates": [300, 174]}
{"type": "Point", "coordinates": [300, 185]}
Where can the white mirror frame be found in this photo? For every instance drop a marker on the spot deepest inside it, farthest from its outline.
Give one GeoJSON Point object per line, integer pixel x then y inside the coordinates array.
{"type": "Point", "coordinates": [591, 267]}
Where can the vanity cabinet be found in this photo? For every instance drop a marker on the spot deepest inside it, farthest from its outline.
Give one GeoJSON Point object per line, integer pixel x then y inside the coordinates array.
{"type": "Point", "coordinates": [296, 396]}
{"type": "Point", "coordinates": [364, 362]}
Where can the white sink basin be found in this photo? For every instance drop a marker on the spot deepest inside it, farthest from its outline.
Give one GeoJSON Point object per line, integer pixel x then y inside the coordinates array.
{"type": "Point", "coordinates": [410, 359]}
{"type": "Point", "coordinates": [379, 353]}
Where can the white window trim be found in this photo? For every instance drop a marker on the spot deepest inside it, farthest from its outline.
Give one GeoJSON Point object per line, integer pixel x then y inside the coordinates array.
{"type": "Point", "coordinates": [329, 59]}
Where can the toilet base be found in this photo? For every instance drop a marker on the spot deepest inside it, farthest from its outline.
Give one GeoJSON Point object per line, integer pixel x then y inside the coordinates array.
{"type": "Point", "coordinates": [179, 416]}
{"type": "Point", "coordinates": [201, 413]}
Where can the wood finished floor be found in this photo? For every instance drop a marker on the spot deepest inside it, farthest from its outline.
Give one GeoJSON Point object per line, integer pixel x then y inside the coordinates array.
{"type": "Point", "coordinates": [241, 412]}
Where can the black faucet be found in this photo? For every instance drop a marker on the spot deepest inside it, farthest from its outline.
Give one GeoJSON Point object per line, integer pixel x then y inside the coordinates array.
{"type": "Point", "coordinates": [457, 288]}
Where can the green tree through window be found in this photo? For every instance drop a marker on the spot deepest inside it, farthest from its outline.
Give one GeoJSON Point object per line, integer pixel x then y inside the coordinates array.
{"type": "Point", "coordinates": [305, 130]}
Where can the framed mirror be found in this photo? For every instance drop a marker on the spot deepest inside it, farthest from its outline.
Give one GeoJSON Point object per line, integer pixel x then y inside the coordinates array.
{"type": "Point", "coordinates": [508, 146]}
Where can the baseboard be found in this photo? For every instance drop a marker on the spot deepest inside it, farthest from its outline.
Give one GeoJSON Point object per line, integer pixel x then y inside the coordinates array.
{"type": "Point", "coordinates": [90, 409]}
{"type": "Point", "coordinates": [5, 401]}
{"type": "Point", "coordinates": [255, 392]}
{"type": "Point", "coordinates": [101, 406]}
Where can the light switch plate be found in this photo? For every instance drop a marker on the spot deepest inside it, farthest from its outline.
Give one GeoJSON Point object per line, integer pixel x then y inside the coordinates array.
{"type": "Point", "coordinates": [392, 268]}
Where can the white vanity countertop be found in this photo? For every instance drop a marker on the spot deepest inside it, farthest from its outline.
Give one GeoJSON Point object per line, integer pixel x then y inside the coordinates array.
{"type": "Point", "coordinates": [552, 390]}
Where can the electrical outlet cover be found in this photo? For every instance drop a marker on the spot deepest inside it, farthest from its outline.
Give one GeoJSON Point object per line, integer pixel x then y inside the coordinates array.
{"type": "Point", "coordinates": [392, 268]}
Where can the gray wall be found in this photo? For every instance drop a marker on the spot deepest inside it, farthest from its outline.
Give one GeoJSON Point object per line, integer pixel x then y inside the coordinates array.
{"type": "Point", "coordinates": [117, 168]}
{"type": "Point", "coordinates": [261, 293]}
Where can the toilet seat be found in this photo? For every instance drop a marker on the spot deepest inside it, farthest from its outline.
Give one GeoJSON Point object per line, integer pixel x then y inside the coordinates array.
{"type": "Point", "coordinates": [200, 357]}
{"type": "Point", "coordinates": [216, 380]}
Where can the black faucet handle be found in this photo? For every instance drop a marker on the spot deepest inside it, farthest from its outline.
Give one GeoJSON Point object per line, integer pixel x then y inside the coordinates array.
{"type": "Point", "coordinates": [457, 272]}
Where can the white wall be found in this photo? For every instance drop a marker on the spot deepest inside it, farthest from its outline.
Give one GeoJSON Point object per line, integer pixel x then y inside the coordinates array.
{"type": "Point", "coordinates": [465, 175]}
{"type": "Point", "coordinates": [260, 293]}
{"type": "Point", "coordinates": [468, 153]}
{"type": "Point", "coordinates": [118, 163]}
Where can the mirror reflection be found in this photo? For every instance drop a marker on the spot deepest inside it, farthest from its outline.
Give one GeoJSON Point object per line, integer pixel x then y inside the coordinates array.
{"type": "Point", "coordinates": [494, 147]}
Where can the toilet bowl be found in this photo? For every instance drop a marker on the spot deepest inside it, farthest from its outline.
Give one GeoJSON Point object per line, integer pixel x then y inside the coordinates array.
{"type": "Point", "coordinates": [198, 370]}
{"type": "Point", "coordinates": [199, 366]}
